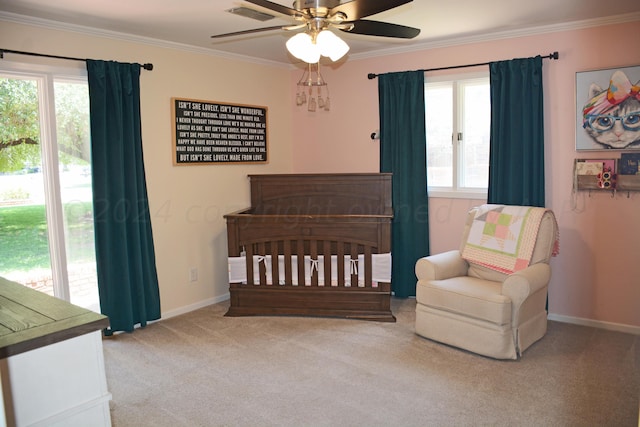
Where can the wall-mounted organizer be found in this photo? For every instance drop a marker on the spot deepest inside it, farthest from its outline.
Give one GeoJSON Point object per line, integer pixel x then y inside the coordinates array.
{"type": "Point", "coordinates": [613, 175]}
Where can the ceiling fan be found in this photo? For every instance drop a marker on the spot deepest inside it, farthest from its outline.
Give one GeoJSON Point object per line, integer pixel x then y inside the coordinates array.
{"type": "Point", "coordinates": [317, 16]}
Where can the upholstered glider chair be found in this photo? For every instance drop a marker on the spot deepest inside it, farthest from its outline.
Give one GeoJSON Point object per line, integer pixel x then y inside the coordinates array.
{"type": "Point", "coordinates": [489, 297]}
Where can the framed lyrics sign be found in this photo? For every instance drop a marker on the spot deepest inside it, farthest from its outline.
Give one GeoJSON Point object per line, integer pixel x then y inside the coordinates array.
{"type": "Point", "coordinates": [206, 132]}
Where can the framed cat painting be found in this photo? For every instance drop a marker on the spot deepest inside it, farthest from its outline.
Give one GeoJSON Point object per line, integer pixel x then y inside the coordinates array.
{"type": "Point", "coordinates": [608, 109]}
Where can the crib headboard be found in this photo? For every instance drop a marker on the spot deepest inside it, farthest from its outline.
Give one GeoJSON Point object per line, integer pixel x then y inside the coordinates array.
{"type": "Point", "coordinates": [321, 194]}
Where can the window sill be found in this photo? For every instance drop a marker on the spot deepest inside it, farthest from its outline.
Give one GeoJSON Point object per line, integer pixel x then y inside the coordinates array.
{"type": "Point", "coordinates": [450, 194]}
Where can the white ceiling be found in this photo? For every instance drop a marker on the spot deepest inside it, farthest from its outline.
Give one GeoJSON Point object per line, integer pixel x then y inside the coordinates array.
{"type": "Point", "coordinates": [192, 22]}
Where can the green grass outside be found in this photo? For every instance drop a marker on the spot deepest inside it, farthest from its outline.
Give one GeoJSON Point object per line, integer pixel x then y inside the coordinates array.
{"type": "Point", "coordinates": [24, 241]}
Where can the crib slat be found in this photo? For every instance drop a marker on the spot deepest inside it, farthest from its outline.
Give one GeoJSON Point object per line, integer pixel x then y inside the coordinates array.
{"type": "Point", "coordinates": [367, 267]}
{"type": "Point", "coordinates": [288, 276]}
{"type": "Point", "coordinates": [300, 256]}
{"type": "Point", "coordinates": [262, 265]}
{"type": "Point", "coordinates": [326, 254]}
{"type": "Point", "coordinates": [249, 262]}
{"type": "Point", "coordinates": [340, 255]}
{"type": "Point", "coordinates": [354, 272]}
{"type": "Point", "coordinates": [275, 264]}
{"type": "Point", "coordinates": [313, 254]}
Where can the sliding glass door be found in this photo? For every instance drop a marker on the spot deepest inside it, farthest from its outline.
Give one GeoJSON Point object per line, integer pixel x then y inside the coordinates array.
{"type": "Point", "coordinates": [46, 215]}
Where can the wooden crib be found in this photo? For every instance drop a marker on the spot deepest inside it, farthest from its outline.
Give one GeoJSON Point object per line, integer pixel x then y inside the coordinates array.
{"type": "Point", "coordinates": [313, 244]}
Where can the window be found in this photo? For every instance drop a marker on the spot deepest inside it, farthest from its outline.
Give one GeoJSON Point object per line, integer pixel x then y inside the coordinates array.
{"type": "Point", "coordinates": [458, 115]}
{"type": "Point", "coordinates": [46, 213]}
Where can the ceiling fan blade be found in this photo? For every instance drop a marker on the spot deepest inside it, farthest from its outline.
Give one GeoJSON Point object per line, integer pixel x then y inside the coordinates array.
{"type": "Point", "coordinates": [383, 29]}
{"type": "Point", "coordinates": [239, 33]}
{"type": "Point", "coordinates": [357, 9]}
{"type": "Point", "coordinates": [283, 10]}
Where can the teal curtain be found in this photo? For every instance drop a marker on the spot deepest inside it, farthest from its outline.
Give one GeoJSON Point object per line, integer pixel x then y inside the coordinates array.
{"type": "Point", "coordinates": [516, 159]}
{"type": "Point", "coordinates": [127, 277]}
{"type": "Point", "coordinates": [403, 152]}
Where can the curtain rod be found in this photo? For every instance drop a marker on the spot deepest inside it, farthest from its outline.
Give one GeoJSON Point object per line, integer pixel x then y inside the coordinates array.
{"type": "Point", "coordinates": [553, 55]}
{"type": "Point", "coordinates": [19, 52]}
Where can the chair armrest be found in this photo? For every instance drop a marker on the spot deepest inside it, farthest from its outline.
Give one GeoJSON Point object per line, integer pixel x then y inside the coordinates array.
{"type": "Point", "coordinates": [519, 285]}
{"type": "Point", "coordinates": [441, 266]}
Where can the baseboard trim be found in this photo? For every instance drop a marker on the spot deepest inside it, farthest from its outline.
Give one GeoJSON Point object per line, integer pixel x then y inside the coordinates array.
{"type": "Point", "coordinates": [196, 306]}
{"type": "Point", "coordinates": [619, 327]}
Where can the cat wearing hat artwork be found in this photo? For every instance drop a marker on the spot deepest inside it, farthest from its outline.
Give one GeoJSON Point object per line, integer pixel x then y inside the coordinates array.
{"type": "Point", "coordinates": [611, 116]}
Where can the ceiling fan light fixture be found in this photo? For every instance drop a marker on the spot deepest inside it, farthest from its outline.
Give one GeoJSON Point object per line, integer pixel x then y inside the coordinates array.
{"type": "Point", "coordinates": [331, 45]}
{"type": "Point", "coordinates": [302, 47]}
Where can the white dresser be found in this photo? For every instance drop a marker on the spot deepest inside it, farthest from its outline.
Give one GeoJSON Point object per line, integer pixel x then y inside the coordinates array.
{"type": "Point", "coordinates": [51, 361]}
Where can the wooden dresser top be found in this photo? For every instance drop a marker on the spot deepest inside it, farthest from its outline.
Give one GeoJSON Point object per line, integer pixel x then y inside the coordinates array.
{"type": "Point", "coordinates": [30, 319]}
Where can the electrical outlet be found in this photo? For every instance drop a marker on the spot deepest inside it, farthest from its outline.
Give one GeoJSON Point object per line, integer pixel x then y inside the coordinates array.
{"type": "Point", "coordinates": [193, 274]}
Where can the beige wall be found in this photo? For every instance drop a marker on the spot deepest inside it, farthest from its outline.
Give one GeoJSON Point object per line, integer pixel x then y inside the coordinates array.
{"type": "Point", "coordinates": [597, 275]}
{"type": "Point", "coordinates": [187, 203]}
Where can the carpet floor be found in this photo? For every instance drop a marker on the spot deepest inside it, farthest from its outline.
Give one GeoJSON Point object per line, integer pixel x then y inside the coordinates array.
{"type": "Point", "coordinates": [204, 369]}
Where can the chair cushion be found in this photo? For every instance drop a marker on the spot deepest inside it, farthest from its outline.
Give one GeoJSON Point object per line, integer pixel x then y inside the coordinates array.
{"type": "Point", "coordinates": [469, 296]}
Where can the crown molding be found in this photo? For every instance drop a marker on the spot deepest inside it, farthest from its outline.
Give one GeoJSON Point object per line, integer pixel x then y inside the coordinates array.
{"type": "Point", "coordinates": [115, 35]}
{"type": "Point", "coordinates": [449, 42]}
{"type": "Point", "coordinates": [500, 35]}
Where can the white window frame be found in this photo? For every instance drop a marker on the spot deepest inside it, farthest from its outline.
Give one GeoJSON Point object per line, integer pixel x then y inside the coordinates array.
{"type": "Point", "coordinates": [456, 192]}
{"type": "Point", "coordinates": [45, 76]}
